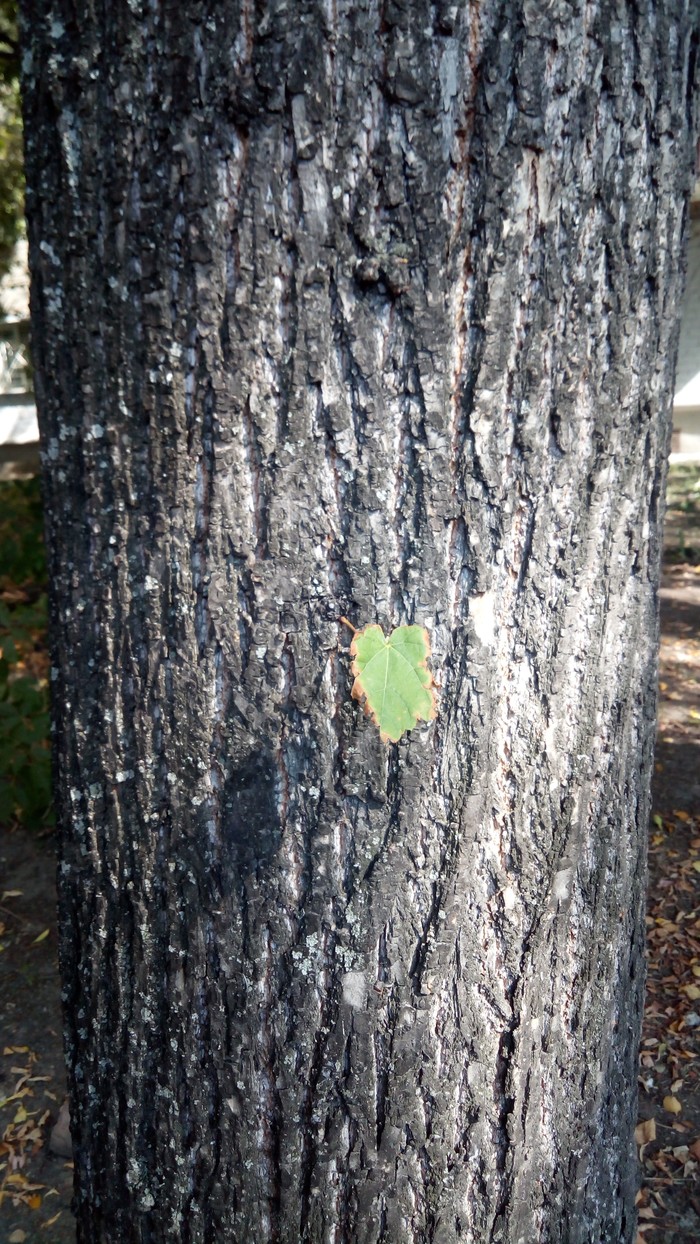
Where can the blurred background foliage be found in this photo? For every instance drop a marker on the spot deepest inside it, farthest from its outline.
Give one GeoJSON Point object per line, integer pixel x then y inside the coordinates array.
{"type": "Point", "coordinates": [25, 757]}
{"type": "Point", "coordinates": [11, 155]}
{"type": "Point", "coordinates": [25, 768]}
{"type": "Point", "coordinates": [682, 531]}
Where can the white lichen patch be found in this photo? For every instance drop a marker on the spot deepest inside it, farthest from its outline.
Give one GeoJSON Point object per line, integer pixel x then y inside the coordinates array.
{"type": "Point", "coordinates": [482, 614]}
{"type": "Point", "coordinates": [355, 989]}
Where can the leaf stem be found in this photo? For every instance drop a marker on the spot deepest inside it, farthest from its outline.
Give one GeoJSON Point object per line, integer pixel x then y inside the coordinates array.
{"type": "Point", "coordinates": [352, 628]}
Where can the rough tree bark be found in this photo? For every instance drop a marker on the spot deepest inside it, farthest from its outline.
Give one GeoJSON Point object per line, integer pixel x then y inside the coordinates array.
{"type": "Point", "coordinates": [359, 308]}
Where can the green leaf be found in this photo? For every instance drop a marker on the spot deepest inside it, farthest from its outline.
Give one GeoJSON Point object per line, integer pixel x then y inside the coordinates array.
{"type": "Point", "coordinates": [9, 650]}
{"type": "Point", "coordinates": [392, 678]}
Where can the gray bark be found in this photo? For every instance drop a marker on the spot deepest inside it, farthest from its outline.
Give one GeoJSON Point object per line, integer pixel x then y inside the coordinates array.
{"type": "Point", "coordinates": [366, 309]}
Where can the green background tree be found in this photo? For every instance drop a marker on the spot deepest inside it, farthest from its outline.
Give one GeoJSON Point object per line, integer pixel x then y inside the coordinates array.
{"type": "Point", "coordinates": [11, 156]}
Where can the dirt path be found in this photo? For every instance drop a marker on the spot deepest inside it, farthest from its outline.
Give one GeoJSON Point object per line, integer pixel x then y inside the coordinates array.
{"type": "Point", "coordinates": [36, 1186]}
{"type": "Point", "coordinates": [669, 1106]}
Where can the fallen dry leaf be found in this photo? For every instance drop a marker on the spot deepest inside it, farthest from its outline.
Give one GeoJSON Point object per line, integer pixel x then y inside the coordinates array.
{"type": "Point", "coordinates": [672, 1104]}
{"type": "Point", "coordinates": [21, 1181]}
{"type": "Point", "coordinates": [645, 1132]}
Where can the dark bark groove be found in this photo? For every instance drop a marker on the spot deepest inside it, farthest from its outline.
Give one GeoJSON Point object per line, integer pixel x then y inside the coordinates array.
{"type": "Point", "coordinates": [363, 309]}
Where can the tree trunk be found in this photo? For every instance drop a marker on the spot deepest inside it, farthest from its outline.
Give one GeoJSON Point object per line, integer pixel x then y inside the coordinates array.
{"type": "Point", "coordinates": [369, 310]}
